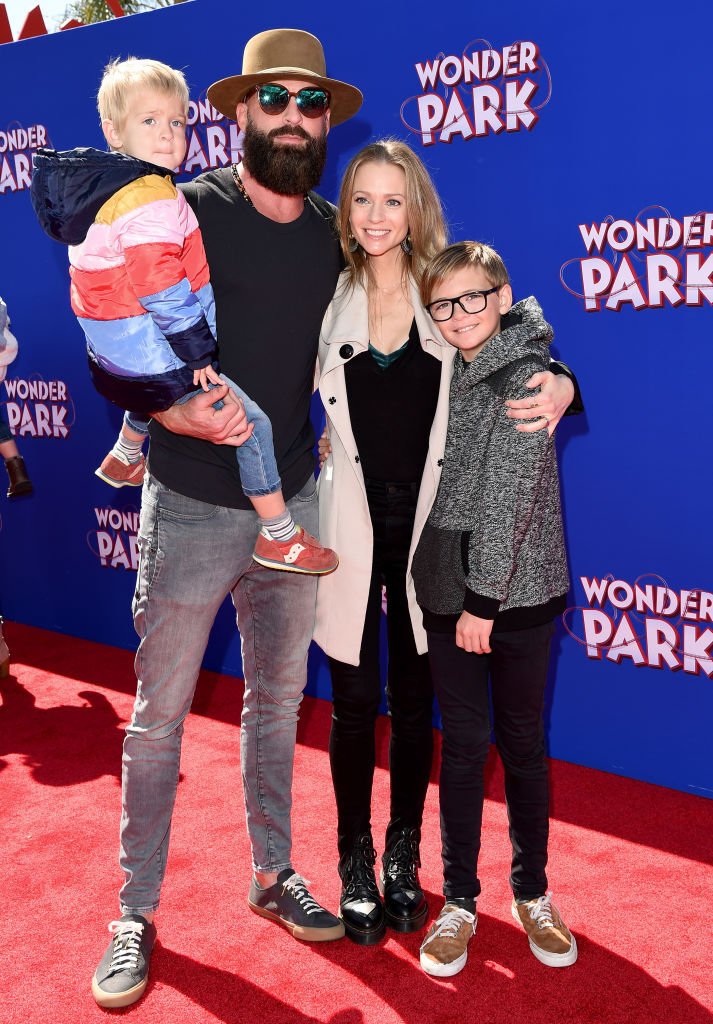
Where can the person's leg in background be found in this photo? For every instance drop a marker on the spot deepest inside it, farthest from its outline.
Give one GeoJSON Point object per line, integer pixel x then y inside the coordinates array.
{"type": "Point", "coordinates": [18, 479]}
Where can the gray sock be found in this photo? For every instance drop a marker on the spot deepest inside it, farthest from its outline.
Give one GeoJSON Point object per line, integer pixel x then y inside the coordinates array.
{"type": "Point", "coordinates": [280, 527]}
{"type": "Point", "coordinates": [131, 450]}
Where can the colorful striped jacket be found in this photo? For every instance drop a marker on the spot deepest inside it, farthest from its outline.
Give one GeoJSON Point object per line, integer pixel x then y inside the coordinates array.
{"type": "Point", "coordinates": [140, 285]}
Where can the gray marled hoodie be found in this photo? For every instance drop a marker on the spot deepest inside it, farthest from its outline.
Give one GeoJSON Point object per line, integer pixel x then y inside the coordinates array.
{"type": "Point", "coordinates": [493, 544]}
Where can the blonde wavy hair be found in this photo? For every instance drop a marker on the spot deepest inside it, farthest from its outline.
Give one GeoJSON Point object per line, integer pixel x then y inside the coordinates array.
{"type": "Point", "coordinates": [427, 227]}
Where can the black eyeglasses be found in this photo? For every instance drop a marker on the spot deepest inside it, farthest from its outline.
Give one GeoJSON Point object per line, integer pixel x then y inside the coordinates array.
{"type": "Point", "coordinates": [273, 99]}
{"type": "Point", "coordinates": [471, 302]}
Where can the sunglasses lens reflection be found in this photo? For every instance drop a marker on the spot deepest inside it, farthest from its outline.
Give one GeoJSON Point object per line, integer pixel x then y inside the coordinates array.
{"type": "Point", "coordinates": [274, 99]}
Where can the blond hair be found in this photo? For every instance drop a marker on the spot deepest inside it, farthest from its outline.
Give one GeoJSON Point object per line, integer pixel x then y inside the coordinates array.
{"type": "Point", "coordinates": [427, 228]}
{"type": "Point", "coordinates": [457, 257]}
{"type": "Point", "coordinates": [122, 77]}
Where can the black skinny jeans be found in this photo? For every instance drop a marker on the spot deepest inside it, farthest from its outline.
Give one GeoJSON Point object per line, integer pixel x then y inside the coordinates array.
{"type": "Point", "coordinates": [517, 668]}
{"type": "Point", "coordinates": [357, 689]}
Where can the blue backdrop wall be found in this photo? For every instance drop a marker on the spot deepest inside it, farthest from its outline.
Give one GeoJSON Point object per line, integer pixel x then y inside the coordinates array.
{"type": "Point", "coordinates": [573, 139]}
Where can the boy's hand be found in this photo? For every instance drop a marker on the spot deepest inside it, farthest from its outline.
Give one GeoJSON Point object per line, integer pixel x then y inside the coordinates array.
{"type": "Point", "coordinates": [545, 409]}
{"type": "Point", "coordinates": [205, 377]}
{"type": "Point", "coordinates": [473, 634]}
{"type": "Point", "coordinates": [199, 418]}
{"type": "Point", "coordinates": [324, 448]}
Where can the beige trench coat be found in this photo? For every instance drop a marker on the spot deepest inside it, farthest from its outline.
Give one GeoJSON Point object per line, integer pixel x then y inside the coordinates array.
{"type": "Point", "coordinates": [344, 521]}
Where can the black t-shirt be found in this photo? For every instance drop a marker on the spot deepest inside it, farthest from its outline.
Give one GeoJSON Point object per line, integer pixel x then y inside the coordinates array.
{"type": "Point", "coordinates": [392, 410]}
{"type": "Point", "coordinates": [272, 285]}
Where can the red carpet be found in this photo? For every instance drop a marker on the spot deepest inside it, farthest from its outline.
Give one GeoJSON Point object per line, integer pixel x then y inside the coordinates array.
{"type": "Point", "coordinates": [630, 868]}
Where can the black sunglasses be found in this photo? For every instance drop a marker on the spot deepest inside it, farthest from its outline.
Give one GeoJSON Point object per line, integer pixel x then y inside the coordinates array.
{"type": "Point", "coordinates": [273, 99]}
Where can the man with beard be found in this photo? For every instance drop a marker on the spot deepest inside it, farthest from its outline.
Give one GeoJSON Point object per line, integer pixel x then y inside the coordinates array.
{"type": "Point", "coordinates": [274, 262]}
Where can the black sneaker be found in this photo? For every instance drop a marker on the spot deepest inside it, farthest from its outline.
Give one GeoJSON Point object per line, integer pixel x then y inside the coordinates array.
{"type": "Point", "coordinates": [404, 903]}
{"type": "Point", "coordinates": [360, 905]}
{"type": "Point", "coordinates": [290, 903]}
{"type": "Point", "coordinates": [121, 977]}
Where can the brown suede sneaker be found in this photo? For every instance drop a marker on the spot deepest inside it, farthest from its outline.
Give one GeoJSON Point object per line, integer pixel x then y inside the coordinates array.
{"type": "Point", "coordinates": [444, 951]}
{"type": "Point", "coordinates": [550, 939]}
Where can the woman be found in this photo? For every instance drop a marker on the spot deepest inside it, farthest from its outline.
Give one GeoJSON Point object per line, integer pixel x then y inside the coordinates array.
{"type": "Point", "coordinates": [385, 377]}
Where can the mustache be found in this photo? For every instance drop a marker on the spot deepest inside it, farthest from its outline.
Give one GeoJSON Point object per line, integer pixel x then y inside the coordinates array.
{"type": "Point", "coordinates": [287, 130]}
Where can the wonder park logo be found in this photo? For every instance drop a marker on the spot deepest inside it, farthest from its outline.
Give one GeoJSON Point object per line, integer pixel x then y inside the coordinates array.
{"type": "Point", "coordinates": [645, 623]}
{"type": "Point", "coordinates": [648, 262]}
{"type": "Point", "coordinates": [115, 541]}
{"type": "Point", "coordinates": [39, 408]}
{"type": "Point", "coordinates": [484, 91]}
{"type": "Point", "coordinates": [17, 145]}
{"type": "Point", "coordinates": [212, 140]}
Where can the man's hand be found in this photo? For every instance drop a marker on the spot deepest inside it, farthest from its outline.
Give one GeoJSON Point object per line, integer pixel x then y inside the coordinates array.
{"type": "Point", "coordinates": [198, 418]}
{"type": "Point", "coordinates": [545, 409]}
{"type": "Point", "coordinates": [473, 634]}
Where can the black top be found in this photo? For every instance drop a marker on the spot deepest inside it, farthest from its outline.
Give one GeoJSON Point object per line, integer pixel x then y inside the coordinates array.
{"type": "Point", "coordinates": [272, 285]}
{"type": "Point", "coordinates": [392, 411]}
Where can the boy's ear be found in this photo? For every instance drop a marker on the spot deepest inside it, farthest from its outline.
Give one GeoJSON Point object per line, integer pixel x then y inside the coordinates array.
{"type": "Point", "coordinates": [505, 299]}
{"type": "Point", "coordinates": [112, 136]}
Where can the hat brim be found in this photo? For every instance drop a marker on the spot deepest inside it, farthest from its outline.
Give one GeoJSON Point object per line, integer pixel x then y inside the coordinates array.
{"type": "Point", "coordinates": [345, 100]}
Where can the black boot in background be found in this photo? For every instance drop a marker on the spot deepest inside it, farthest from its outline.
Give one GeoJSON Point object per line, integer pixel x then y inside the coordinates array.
{"type": "Point", "coordinates": [405, 905]}
{"type": "Point", "coordinates": [4, 656]}
{"type": "Point", "coordinates": [360, 906]}
{"type": "Point", "coordinates": [20, 482]}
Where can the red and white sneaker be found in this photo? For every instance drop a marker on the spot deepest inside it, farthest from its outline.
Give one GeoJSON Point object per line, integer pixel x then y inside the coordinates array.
{"type": "Point", "coordinates": [117, 472]}
{"type": "Point", "coordinates": [301, 553]}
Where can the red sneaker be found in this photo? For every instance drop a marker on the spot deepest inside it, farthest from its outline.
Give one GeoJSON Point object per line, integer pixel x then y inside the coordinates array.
{"type": "Point", "coordinates": [301, 553]}
{"type": "Point", "coordinates": [118, 473]}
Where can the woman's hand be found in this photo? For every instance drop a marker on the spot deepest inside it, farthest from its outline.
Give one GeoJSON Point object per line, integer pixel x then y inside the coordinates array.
{"type": "Point", "coordinates": [324, 448]}
{"type": "Point", "coordinates": [546, 408]}
{"type": "Point", "coordinates": [473, 634]}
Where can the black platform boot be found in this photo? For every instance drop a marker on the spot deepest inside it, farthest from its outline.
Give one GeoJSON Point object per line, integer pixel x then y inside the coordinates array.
{"type": "Point", "coordinates": [20, 482]}
{"type": "Point", "coordinates": [360, 906]}
{"type": "Point", "coordinates": [405, 905]}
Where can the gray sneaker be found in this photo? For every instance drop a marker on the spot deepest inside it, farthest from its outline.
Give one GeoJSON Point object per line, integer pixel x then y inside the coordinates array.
{"type": "Point", "coordinates": [122, 976]}
{"type": "Point", "coordinates": [289, 903]}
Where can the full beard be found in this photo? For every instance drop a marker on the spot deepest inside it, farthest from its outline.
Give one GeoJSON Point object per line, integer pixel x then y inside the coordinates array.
{"type": "Point", "coordinates": [288, 170]}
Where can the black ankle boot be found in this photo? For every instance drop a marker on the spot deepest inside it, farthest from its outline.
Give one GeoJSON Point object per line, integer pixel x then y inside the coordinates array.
{"type": "Point", "coordinates": [405, 905]}
{"type": "Point", "coordinates": [360, 906]}
{"type": "Point", "coordinates": [20, 482]}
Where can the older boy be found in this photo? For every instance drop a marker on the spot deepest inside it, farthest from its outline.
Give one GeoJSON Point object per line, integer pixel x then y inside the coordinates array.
{"type": "Point", "coordinates": [491, 574]}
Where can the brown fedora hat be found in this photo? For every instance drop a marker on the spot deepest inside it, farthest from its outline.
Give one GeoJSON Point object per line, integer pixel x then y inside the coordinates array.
{"type": "Point", "coordinates": [284, 53]}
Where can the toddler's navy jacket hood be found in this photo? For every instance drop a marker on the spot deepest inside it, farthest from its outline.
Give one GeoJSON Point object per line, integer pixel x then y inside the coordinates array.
{"type": "Point", "coordinates": [70, 187]}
